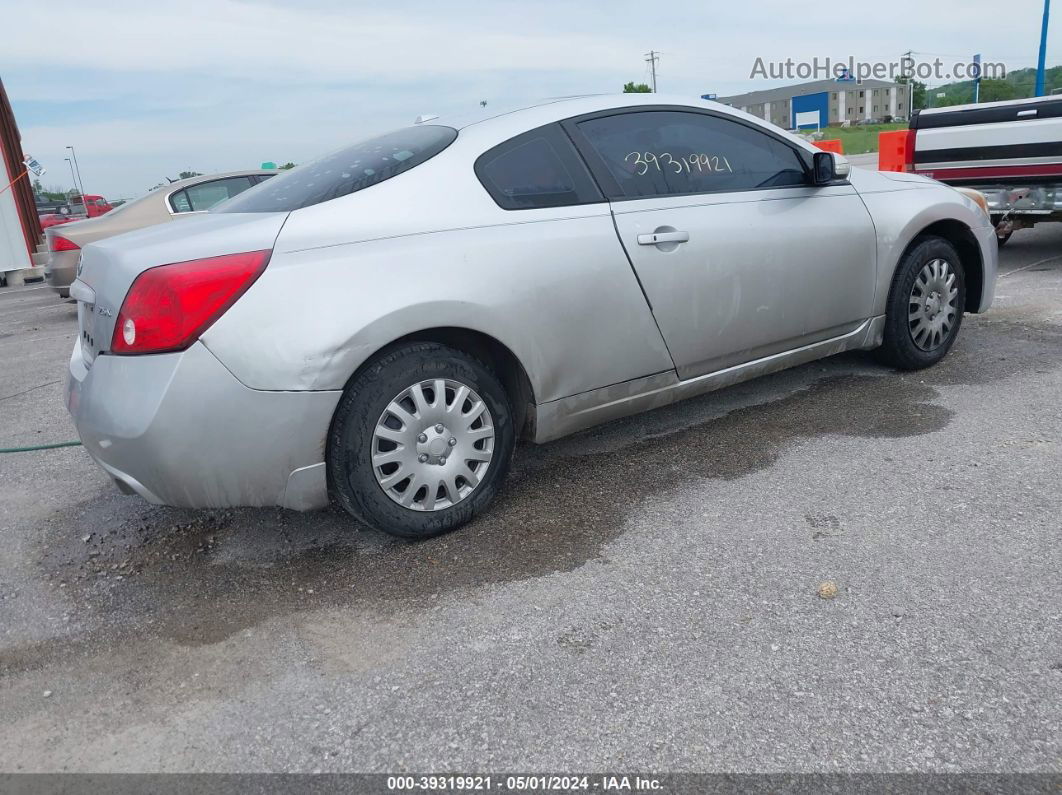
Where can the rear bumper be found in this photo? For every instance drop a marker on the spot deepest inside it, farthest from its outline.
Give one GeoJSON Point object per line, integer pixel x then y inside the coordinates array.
{"type": "Point", "coordinates": [179, 429]}
{"type": "Point", "coordinates": [61, 271]}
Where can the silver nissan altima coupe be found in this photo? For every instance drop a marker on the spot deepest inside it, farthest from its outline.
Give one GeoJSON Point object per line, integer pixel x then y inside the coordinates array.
{"type": "Point", "coordinates": [380, 326]}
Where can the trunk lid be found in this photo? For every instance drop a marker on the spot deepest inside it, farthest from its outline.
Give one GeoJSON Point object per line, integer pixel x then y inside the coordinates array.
{"type": "Point", "coordinates": [108, 267]}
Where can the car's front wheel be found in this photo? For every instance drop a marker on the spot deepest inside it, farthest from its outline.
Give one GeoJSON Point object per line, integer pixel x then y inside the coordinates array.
{"type": "Point", "coordinates": [421, 441]}
{"type": "Point", "coordinates": [926, 304]}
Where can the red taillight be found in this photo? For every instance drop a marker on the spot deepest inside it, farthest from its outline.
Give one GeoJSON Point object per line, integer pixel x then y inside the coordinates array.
{"type": "Point", "coordinates": [62, 244]}
{"type": "Point", "coordinates": [170, 306]}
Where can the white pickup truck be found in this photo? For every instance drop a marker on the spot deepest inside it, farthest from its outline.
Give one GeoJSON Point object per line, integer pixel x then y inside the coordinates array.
{"type": "Point", "coordinates": [1009, 151]}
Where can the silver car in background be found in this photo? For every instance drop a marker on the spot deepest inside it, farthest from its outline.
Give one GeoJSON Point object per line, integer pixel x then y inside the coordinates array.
{"type": "Point", "coordinates": [176, 200]}
{"type": "Point", "coordinates": [382, 325]}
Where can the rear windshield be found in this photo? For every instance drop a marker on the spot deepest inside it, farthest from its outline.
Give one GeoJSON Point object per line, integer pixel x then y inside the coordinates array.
{"type": "Point", "coordinates": [346, 171]}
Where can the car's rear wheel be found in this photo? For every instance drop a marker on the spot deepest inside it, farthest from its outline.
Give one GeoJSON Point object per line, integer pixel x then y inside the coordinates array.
{"type": "Point", "coordinates": [925, 308]}
{"type": "Point", "coordinates": [421, 441]}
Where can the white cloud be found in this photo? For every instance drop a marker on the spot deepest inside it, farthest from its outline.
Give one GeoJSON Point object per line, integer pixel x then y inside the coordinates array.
{"type": "Point", "coordinates": [370, 42]}
{"type": "Point", "coordinates": [348, 44]}
{"type": "Point", "coordinates": [144, 89]}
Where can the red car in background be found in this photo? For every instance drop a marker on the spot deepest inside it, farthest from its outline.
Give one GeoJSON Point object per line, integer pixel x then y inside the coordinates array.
{"type": "Point", "coordinates": [92, 207]}
{"type": "Point", "coordinates": [75, 209]}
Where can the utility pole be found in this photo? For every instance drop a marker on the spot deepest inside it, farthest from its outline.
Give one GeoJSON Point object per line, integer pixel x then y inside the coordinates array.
{"type": "Point", "coordinates": [651, 58]}
{"type": "Point", "coordinates": [1040, 69]}
{"type": "Point", "coordinates": [84, 201]}
{"type": "Point", "coordinates": [908, 58]}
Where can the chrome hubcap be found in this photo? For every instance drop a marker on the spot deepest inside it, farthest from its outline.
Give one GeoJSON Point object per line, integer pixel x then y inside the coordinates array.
{"type": "Point", "coordinates": [933, 305]}
{"type": "Point", "coordinates": [432, 445]}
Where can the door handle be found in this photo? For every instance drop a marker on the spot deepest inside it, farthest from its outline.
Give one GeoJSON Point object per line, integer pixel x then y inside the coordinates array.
{"type": "Point", "coordinates": [1026, 113]}
{"type": "Point", "coordinates": [663, 237]}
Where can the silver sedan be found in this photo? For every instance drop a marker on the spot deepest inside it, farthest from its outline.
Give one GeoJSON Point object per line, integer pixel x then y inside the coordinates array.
{"type": "Point", "coordinates": [382, 325]}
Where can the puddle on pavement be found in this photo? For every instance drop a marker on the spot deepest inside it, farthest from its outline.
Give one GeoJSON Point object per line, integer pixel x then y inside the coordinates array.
{"type": "Point", "coordinates": [197, 577]}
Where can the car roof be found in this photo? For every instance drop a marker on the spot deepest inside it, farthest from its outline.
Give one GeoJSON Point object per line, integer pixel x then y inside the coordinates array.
{"type": "Point", "coordinates": [503, 123]}
{"type": "Point", "coordinates": [460, 121]}
{"type": "Point", "coordinates": [184, 183]}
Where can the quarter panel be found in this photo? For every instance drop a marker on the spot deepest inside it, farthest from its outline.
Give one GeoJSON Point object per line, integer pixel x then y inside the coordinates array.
{"type": "Point", "coordinates": [111, 265]}
{"type": "Point", "coordinates": [559, 294]}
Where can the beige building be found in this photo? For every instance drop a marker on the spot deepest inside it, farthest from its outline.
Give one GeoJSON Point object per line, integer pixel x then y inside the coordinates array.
{"type": "Point", "coordinates": [827, 101]}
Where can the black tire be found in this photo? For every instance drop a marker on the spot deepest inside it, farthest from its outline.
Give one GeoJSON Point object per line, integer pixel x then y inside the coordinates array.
{"type": "Point", "coordinates": [352, 480]}
{"type": "Point", "coordinates": [1003, 240]}
{"type": "Point", "coordinates": [899, 349]}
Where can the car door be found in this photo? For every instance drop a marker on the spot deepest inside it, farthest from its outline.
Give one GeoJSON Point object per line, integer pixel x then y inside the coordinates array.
{"type": "Point", "coordinates": [738, 254]}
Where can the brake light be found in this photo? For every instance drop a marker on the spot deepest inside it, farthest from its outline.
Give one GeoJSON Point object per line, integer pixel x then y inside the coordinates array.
{"type": "Point", "coordinates": [169, 307]}
{"type": "Point", "coordinates": [62, 244]}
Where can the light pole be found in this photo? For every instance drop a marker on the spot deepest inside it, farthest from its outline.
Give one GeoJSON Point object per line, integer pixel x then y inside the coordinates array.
{"type": "Point", "coordinates": [73, 179]}
{"type": "Point", "coordinates": [81, 182]}
{"type": "Point", "coordinates": [1041, 68]}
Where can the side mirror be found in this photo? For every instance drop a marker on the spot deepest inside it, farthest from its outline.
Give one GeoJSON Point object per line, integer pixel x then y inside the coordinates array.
{"type": "Point", "coordinates": [828, 167]}
{"type": "Point", "coordinates": [842, 169]}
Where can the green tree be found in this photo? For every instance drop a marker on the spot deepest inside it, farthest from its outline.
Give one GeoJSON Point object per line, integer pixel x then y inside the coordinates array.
{"type": "Point", "coordinates": [287, 165]}
{"type": "Point", "coordinates": [54, 193]}
{"type": "Point", "coordinates": [636, 88]}
{"type": "Point", "coordinates": [997, 91]}
{"type": "Point", "coordinates": [918, 90]}
{"type": "Point", "coordinates": [188, 174]}
{"type": "Point", "coordinates": [38, 188]}
{"type": "Point", "coordinates": [1016, 85]}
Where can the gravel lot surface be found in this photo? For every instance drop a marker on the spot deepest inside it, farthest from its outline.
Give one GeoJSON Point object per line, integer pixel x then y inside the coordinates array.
{"type": "Point", "coordinates": [645, 596]}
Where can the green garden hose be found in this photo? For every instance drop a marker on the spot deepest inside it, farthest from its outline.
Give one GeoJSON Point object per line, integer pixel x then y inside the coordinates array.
{"type": "Point", "coordinates": [38, 447]}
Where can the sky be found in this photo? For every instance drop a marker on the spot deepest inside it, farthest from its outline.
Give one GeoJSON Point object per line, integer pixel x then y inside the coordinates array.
{"type": "Point", "coordinates": [146, 89]}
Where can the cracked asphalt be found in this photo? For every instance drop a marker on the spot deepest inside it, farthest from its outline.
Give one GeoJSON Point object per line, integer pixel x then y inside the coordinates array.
{"type": "Point", "coordinates": [644, 596]}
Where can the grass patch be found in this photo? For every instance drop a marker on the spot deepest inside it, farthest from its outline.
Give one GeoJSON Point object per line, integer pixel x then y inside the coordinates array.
{"type": "Point", "coordinates": [860, 140]}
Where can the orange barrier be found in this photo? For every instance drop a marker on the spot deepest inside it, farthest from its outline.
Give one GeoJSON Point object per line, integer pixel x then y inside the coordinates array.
{"type": "Point", "coordinates": [831, 145]}
{"type": "Point", "coordinates": [894, 150]}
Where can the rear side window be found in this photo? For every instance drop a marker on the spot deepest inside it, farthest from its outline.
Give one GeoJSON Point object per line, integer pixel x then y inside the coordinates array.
{"type": "Point", "coordinates": [344, 172]}
{"type": "Point", "coordinates": [668, 153]}
{"type": "Point", "coordinates": [179, 202]}
{"type": "Point", "coordinates": [537, 169]}
{"type": "Point", "coordinates": [207, 194]}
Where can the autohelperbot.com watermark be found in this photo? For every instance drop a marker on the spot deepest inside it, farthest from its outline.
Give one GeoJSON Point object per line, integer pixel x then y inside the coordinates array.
{"type": "Point", "coordinates": [851, 68]}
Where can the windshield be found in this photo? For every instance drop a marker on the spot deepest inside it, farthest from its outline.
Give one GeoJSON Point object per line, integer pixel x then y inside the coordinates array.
{"type": "Point", "coordinates": [344, 172]}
